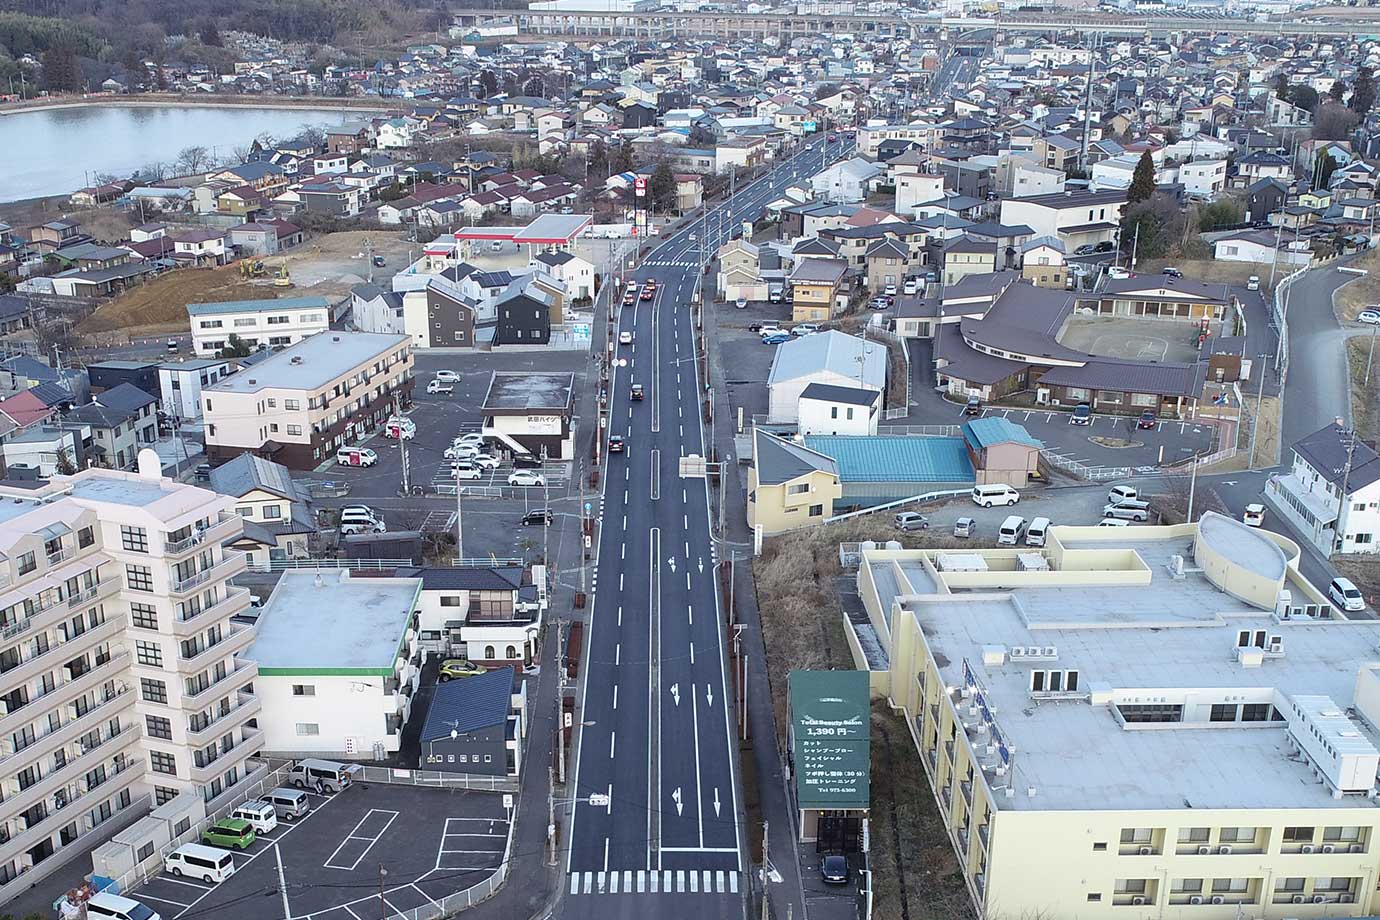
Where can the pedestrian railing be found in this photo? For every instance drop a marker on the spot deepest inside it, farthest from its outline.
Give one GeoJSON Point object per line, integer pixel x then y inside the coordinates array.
{"type": "Point", "coordinates": [922, 431]}
{"type": "Point", "coordinates": [1090, 473]}
{"type": "Point", "coordinates": [288, 565]}
{"type": "Point", "coordinates": [924, 497]}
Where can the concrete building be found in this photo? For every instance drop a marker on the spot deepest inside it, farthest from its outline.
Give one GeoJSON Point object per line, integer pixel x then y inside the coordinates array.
{"type": "Point", "coordinates": [483, 613]}
{"type": "Point", "coordinates": [338, 663]}
{"type": "Point", "coordinates": [1136, 722]}
{"type": "Point", "coordinates": [300, 405]}
{"type": "Point", "coordinates": [1332, 492]}
{"type": "Point", "coordinates": [180, 384]}
{"type": "Point", "coordinates": [789, 485]}
{"type": "Point", "coordinates": [840, 410]}
{"type": "Point", "coordinates": [271, 323]}
{"type": "Point", "coordinates": [531, 413]}
{"type": "Point", "coordinates": [123, 678]}
{"type": "Point", "coordinates": [1204, 178]}
{"type": "Point", "coordinates": [1076, 218]}
{"type": "Point", "coordinates": [829, 357]}
{"type": "Point", "coordinates": [476, 725]}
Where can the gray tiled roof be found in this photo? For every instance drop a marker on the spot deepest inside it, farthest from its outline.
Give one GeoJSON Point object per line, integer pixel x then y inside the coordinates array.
{"type": "Point", "coordinates": [1325, 450]}
{"type": "Point", "coordinates": [779, 461]}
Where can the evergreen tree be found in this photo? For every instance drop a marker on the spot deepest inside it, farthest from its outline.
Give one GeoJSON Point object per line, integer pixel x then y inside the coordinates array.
{"type": "Point", "coordinates": [210, 35]}
{"type": "Point", "coordinates": [61, 72]}
{"type": "Point", "coordinates": [622, 158]}
{"type": "Point", "coordinates": [488, 84]}
{"type": "Point", "coordinates": [1326, 167]}
{"type": "Point", "coordinates": [662, 187]}
{"type": "Point", "coordinates": [1338, 91]}
{"type": "Point", "coordinates": [1142, 180]}
{"type": "Point", "coordinates": [1363, 91]}
{"type": "Point", "coordinates": [1282, 86]}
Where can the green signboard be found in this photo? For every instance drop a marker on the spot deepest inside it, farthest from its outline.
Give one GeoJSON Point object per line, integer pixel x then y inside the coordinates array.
{"type": "Point", "coordinates": [830, 722]}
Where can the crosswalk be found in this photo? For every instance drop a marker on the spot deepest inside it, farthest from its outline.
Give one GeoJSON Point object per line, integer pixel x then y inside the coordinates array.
{"type": "Point", "coordinates": [665, 263]}
{"type": "Point", "coordinates": [663, 881]}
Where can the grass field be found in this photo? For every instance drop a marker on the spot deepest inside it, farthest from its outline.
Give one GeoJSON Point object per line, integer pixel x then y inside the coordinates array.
{"type": "Point", "coordinates": [1354, 296]}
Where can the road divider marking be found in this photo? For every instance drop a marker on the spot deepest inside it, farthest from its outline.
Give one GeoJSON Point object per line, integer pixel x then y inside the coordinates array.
{"type": "Point", "coordinates": [656, 477]}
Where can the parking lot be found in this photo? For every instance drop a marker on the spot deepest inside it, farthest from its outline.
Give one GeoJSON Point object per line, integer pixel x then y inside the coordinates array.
{"type": "Point", "coordinates": [373, 850]}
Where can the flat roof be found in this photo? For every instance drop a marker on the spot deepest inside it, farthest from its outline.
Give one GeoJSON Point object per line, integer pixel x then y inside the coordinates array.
{"type": "Point", "coordinates": [311, 363]}
{"type": "Point", "coordinates": [267, 304]}
{"type": "Point", "coordinates": [515, 390]}
{"type": "Point", "coordinates": [325, 623]}
{"type": "Point", "coordinates": [1114, 609]}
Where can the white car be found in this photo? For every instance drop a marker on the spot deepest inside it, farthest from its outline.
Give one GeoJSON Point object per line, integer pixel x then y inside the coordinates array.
{"type": "Point", "coordinates": [625, 338]}
{"type": "Point", "coordinates": [356, 456]}
{"type": "Point", "coordinates": [805, 329]}
{"type": "Point", "coordinates": [1118, 273]}
{"type": "Point", "coordinates": [448, 376]}
{"type": "Point", "coordinates": [472, 437]}
{"type": "Point", "coordinates": [466, 470]}
{"type": "Point", "coordinates": [526, 478]}
{"type": "Point", "coordinates": [890, 290]}
{"type": "Point", "coordinates": [767, 331]}
{"type": "Point", "coordinates": [461, 452]}
{"type": "Point", "coordinates": [1369, 317]}
{"type": "Point", "coordinates": [399, 426]}
{"type": "Point", "coordinates": [484, 461]}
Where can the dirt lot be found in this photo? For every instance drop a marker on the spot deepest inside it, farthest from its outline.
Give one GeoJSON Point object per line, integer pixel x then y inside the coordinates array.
{"type": "Point", "coordinates": [1214, 271]}
{"type": "Point", "coordinates": [1355, 296]}
{"type": "Point", "coordinates": [327, 266]}
{"type": "Point", "coordinates": [1266, 442]}
{"type": "Point", "coordinates": [1364, 406]}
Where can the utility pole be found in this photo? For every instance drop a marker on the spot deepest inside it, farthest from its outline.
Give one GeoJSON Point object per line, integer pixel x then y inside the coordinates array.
{"type": "Point", "coordinates": [1192, 485]}
{"type": "Point", "coordinates": [1371, 355]}
{"type": "Point", "coordinates": [766, 862]}
{"type": "Point", "coordinates": [560, 705]}
{"type": "Point", "coordinates": [282, 882]}
{"type": "Point", "coordinates": [383, 904]}
{"type": "Point", "coordinates": [551, 813]}
{"type": "Point", "coordinates": [1260, 399]}
{"type": "Point", "coordinates": [1274, 262]}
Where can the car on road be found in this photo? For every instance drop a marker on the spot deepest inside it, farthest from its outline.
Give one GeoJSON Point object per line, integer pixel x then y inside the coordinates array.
{"type": "Point", "coordinates": [1086, 249]}
{"type": "Point", "coordinates": [1369, 317]}
{"type": "Point", "coordinates": [540, 516]}
{"type": "Point", "coordinates": [615, 443]}
{"type": "Point", "coordinates": [455, 668]}
{"type": "Point", "coordinates": [1171, 272]}
{"type": "Point", "coordinates": [230, 833]}
{"type": "Point", "coordinates": [912, 520]}
{"type": "Point", "coordinates": [1147, 419]}
{"type": "Point", "coordinates": [740, 303]}
{"type": "Point", "coordinates": [526, 478]}
{"type": "Point", "coordinates": [356, 456]}
{"type": "Point", "coordinates": [831, 138]}
{"type": "Point", "coordinates": [834, 870]}
{"type": "Point", "coordinates": [625, 338]}
{"type": "Point", "coordinates": [380, 261]}
{"type": "Point", "coordinates": [779, 338]}
{"type": "Point", "coordinates": [1105, 246]}
{"type": "Point", "coordinates": [466, 469]}
{"type": "Point", "coordinates": [1253, 283]}
{"type": "Point", "coordinates": [1082, 414]}
{"type": "Point", "coordinates": [1254, 515]}
{"type": "Point", "coordinates": [436, 387]}
{"type": "Point", "coordinates": [448, 376]}
{"type": "Point", "coordinates": [805, 329]}
{"type": "Point", "coordinates": [636, 392]}
{"type": "Point", "coordinates": [1346, 595]}
{"type": "Point", "coordinates": [629, 297]}
{"type": "Point", "coordinates": [648, 293]}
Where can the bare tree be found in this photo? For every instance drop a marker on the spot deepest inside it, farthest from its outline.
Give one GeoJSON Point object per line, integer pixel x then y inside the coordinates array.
{"type": "Point", "coordinates": [194, 159]}
{"type": "Point", "coordinates": [155, 171]}
{"type": "Point", "coordinates": [240, 153]}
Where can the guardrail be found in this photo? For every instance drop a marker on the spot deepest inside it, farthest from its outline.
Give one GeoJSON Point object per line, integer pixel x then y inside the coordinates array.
{"type": "Point", "coordinates": [925, 431]}
{"type": "Point", "coordinates": [1090, 473]}
{"type": "Point", "coordinates": [923, 497]}
{"type": "Point", "coordinates": [470, 491]}
{"type": "Point", "coordinates": [1277, 317]}
{"type": "Point", "coordinates": [288, 565]}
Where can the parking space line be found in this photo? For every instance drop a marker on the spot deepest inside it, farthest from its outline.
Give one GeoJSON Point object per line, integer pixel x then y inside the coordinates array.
{"type": "Point", "coordinates": [349, 911]}
{"type": "Point", "coordinates": [392, 816]}
{"type": "Point", "coordinates": [145, 896]}
{"type": "Point", "coordinates": [425, 895]}
{"type": "Point", "coordinates": [177, 881]}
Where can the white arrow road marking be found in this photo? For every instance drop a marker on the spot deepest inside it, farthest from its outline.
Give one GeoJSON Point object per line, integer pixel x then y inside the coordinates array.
{"type": "Point", "coordinates": [716, 801]}
{"type": "Point", "coordinates": [671, 561]}
{"type": "Point", "coordinates": [675, 797]}
{"type": "Point", "coordinates": [700, 564]}
{"type": "Point", "coordinates": [709, 693]}
{"type": "Point", "coordinates": [675, 693]}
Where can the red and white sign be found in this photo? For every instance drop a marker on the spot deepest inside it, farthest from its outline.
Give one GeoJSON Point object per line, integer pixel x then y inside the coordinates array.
{"type": "Point", "coordinates": [640, 186]}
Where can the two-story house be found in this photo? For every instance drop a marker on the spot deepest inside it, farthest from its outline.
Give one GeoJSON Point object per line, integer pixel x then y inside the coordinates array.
{"type": "Point", "coordinates": [1331, 494]}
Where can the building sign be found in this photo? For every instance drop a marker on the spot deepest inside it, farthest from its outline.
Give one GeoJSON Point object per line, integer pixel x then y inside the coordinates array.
{"type": "Point", "coordinates": [640, 186]}
{"type": "Point", "coordinates": [830, 726]}
{"type": "Point", "coordinates": [809, 126]}
{"type": "Point", "coordinates": [543, 424]}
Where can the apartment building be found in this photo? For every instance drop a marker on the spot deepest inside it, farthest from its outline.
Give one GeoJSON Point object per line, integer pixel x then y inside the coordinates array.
{"type": "Point", "coordinates": [121, 684]}
{"type": "Point", "coordinates": [300, 405]}
{"type": "Point", "coordinates": [271, 323]}
{"type": "Point", "coordinates": [1145, 722]}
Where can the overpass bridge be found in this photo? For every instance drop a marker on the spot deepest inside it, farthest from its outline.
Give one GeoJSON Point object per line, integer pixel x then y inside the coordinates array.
{"type": "Point", "coordinates": [657, 26]}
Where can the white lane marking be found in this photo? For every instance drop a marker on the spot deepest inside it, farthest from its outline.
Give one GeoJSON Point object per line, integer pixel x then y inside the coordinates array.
{"type": "Point", "coordinates": [615, 696]}
{"type": "Point", "coordinates": [613, 737]}
{"type": "Point", "coordinates": [617, 652]}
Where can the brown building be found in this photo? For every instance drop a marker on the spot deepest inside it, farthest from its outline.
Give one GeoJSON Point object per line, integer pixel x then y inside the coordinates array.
{"type": "Point", "coordinates": [1001, 451]}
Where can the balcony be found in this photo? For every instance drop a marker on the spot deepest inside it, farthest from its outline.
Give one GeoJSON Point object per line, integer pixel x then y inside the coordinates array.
{"type": "Point", "coordinates": [234, 679]}
{"type": "Point", "coordinates": [232, 640]}
{"type": "Point", "coordinates": [1127, 899]}
{"type": "Point", "coordinates": [59, 653]}
{"type": "Point", "coordinates": [64, 693]}
{"type": "Point", "coordinates": [949, 752]}
{"type": "Point", "coordinates": [247, 705]}
{"type": "Point", "coordinates": [73, 729]}
{"type": "Point", "coordinates": [984, 833]}
{"type": "Point", "coordinates": [96, 592]}
{"type": "Point", "coordinates": [236, 600]}
{"type": "Point", "coordinates": [966, 787]}
{"type": "Point", "coordinates": [251, 742]}
{"type": "Point", "coordinates": [232, 564]}
{"type": "Point", "coordinates": [75, 769]}
{"type": "Point", "coordinates": [60, 817]}
{"type": "Point", "coordinates": [227, 526]}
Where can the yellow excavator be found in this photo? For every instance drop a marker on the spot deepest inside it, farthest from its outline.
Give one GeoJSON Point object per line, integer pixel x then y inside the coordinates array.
{"type": "Point", "coordinates": [282, 278]}
{"type": "Point", "coordinates": [252, 268]}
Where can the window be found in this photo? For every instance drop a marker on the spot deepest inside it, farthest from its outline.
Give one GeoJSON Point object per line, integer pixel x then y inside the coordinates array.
{"type": "Point", "coordinates": [1289, 884]}
{"type": "Point", "coordinates": [134, 539]}
{"type": "Point", "coordinates": [1255, 712]}
{"type": "Point", "coordinates": [163, 763]}
{"type": "Point", "coordinates": [273, 512]}
{"type": "Point", "coordinates": [1231, 885]}
{"type": "Point", "coordinates": [159, 727]}
{"type": "Point", "coordinates": [1298, 835]}
{"type": "Point", "coordinates": [1223, 712]}
{"type": "Point", "coordinates": [1186, 886]}
{"type": "Point", "coordinates": [798, 489]}
{"type": "Point", "coordinates": [816, 511]}
{"type": "Point", "coordinates": [139, 577]}
{"type": "Point", "coordinates": [1130, 886]}
{"type": "Point", "coordinates": [1136, 835]}
{"type": "Point", "coordinates": [1347, 834]}
{"type": "Point", "coordinates": [153, 691]}
{"type": "Point", "coordinates": [1193, 835]}
{"type": "Point", "coordinates": [303, 690]}
{"type": "Point", "coordinates": [833, 411]}
{"type": "Point", "coordinates": [149, 653]}
{"type": "Point", "coordinates": [1237, 835]}
{"type": "Point", "coordinates": [308, 728]}
{"type": "Point", "coordinates": [277, 320]}
{"type": "Point", "coordinates": [291, 404]}
{"type": "Point", "coordinates": [245, 323]}
{"type": "Point", "coordinates": [144, 616]}
{"type": "Point", "coordinates": [85, 537]}
{"type": "Point", "coordinates": [163, 795]}
{"type": "Point", "coordinates": [489, 652]}
{"type": "Point", "coordinates": [294, 429]}
{"type": "Point", "coordinates": [27, 564]}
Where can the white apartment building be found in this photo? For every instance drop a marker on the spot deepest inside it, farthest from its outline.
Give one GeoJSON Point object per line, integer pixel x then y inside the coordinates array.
{"type": "Point", "coordinates": [303, 403]}
{"type": "Point", "coordinates": [121, 681]}
{"type": "Point", "coordinates": [1138, 723]}
{"type": "Point", "coordinates": [180, 384]}
{"type": "Point", "coordinates": [337, 685]}
{"type": "Point", "coordinates": [483, 613]}
{"type": "Point", "coordinates": [1204, 178]}
{"type": "Point", "coordinates": [271, 323]}
{"type": "Point", "coordinates": [1332, 493]}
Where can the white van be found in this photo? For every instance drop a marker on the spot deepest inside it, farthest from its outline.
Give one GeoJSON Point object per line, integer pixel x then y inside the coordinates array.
{"type": "Point", "coordinates": [289, 804]}
{"type": "Point", "coordinates": [360, 519]}
{"type": "Point", "coordinates": [259, 815]}
{"type": "Point", "coordinates": [322, 775]}
{"type": "Point", "coordinates": [1011, 529]}
{"type": "Point", "coordinates": [1035, 533]}
{"type": "Point", "coordinates": [104, 906]}
{"type": "Point", "coordinates": [206, 863]}
{"type": "Point", "coordinates": [1118, 494]}
{"type": "Point", "coordinates": [1346, 595]}
{"type": "Point", "coordinates": [995, 494]}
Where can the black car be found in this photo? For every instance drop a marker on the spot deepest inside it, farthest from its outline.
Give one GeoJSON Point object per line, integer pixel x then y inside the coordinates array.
{"type": "Point", "coordinates": [974, 406]}
{"type": "Point", "coordinates": [1082, 415]}
{"type": "Point", "coordinates": [1105, 246]}
{"type": "Point", "coordinates": [754, 327]}
{"type": "Point", "coordinates": [1171, 272]}
{"type": "Point", "coordinates": [637, 391]}
{"type": "Point", "coordinates": [834, 870]}
{"type": "Point", "coordinates": [540, 516]}
{"type": "Point", "coordinates": [526, 462]}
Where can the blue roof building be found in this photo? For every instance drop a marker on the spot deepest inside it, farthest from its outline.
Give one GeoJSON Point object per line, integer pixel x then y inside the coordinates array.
{"type": "Point", "coordinates": [474, 725]}
{"type": "Point", "coordinates": [876, 470]}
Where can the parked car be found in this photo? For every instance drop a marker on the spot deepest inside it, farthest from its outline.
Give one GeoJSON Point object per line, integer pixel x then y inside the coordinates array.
{"type": "Point", "coordinates": [1253, 283]}
{"type": "Point", "coordinates": [1369, 317]}
{"type": "Point", "coordinates": [1113, 522]}
{"type": "Point", "coordinates": [526, 461]}
{"type": "Point", "coordinates": [461, 452]}
{"type": "Point", "coordinates": [540, 516]}
{"type": "Point", "coordinates": [965, 527]}
{"type": "Point", "coordinates": [356, 456]}
{"type": "Point", "coordinates": [834, 869]}
{"type": "Point", "coordinates": [1117, 273]}
{"type": "Point", "coordinates": [992, 494]}
{"type": "Point", "coordinates": [805, 329]}
{"type": "Point", "coordinates": [1148, 419]}
{"type": "Point", "coordinates": [484, 461]}
{"type": "Point", "coordinates": [526, 478]}
{"type": "Point", "coordinates": [466, 470]}
{"type": "Point", "coordinates": [448, 376]}
{"type": "Point", "coordinates": [912, 520]}
{"type": "Point", "coordinates": [779, 338]}
{"type": "Point", "coordinates": [230, 833]}
{"type": "Point", "coordinates": [770, 329]}
{"type": "Point", "coordinates": [911, 286]}
{"type": "Point", "coordinates": [453, 668]}
{"type": "Point", "coordinates": [1254, 515]}
{"type": "Point", "coordinates": [740, 303]}
{"type": "Point", "coordinates": [1082, 415]}
{"type": "Point", "coordinates": [1128, 511]}
{"type": "Point", "coordinates": [890, 290]}
{"type": "Point", "coordinates": [974, 406]}
{"type": "Point", "coordinates": [1086, 249]}
{"type": "Point", "coordinates": [436, 387]}
{"type": "Point", "coordinates": [1171, 272]}
{"type": "Point", "coordinates": [400, 426]}
{"type": "Point", "coordinates": [469, 437]}
{"type": "Point", "coordinates": [1346, 595]}
{"type": "Point", "coordinates": [1105, 246]}
{"type": "Point", "coordinates": [615, 443]}
{"type": "Point", "coordinates": [755, 327]}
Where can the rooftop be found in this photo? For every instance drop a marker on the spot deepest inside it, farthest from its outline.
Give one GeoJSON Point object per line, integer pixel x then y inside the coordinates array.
{"type": "Point", "coordinates": [327, 623]}
{"type": "Point", "coordinates": [312, 363]}
{"type": "Point", "coordinates": [517, 390]}
{"type": "Point", "coordinates": [461, 706]}
{"type": "Point", "coordinates": [895, 459]}
{"type": "Point", "coordinates": [267, 305]}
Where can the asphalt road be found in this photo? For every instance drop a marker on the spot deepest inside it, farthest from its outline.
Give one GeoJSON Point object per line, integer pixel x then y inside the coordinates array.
{"type": "Point", "coordinates": [1316, 389]}
{"type": "Point", "coordinates": [655, 743]}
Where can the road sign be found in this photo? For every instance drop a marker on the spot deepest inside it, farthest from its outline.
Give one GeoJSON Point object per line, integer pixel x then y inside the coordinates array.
{"type": "Point", "coordinates": [692, 466]}
{"type": "Point", "coordinates": [589, 506]}
{"type": "Point", "coordinates": [640, 186]}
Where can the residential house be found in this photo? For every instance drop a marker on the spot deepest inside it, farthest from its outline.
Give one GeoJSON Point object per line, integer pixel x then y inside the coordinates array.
{"type": "Point", "coordinates": [524, 312]}
{"type": "Point", "coordinates": [486, 614]}
{"type": "Point", "coordinates": [279, 520]}
{"type": "Point", "coordinates": [846, 181]}
{"type": "Point", "coordinates": [180, 384]}
{"type": "Point", "coordinates": [123, 421]}
{"type": "Point", "coordinates": [439, 316]}
{"type": "Point", "coordinates": [740, 273]}
{"type": "Point", "coordinates": [1075, 218]}
{"type": "Point", "coordinates": [476, 725]}
{"type": "Point", "coordinates": [576, 273]}
{"type": "Point", "coordinates": [1331, 493]}
{"type": "Point", "coordinates": [888, 264]}
{"type": "Point", "coordinates": [967, 255]}
{"type": "Point", "coordinates": [1042, 263]}
{"type": "Point", "coordinates": [789, 485]}
{"type": "Point", "coordinates": [818, 290]}
{"type": "Point", "coordinates": [334, 198]}
{"type": "Point", "coordinates": [829, 409]}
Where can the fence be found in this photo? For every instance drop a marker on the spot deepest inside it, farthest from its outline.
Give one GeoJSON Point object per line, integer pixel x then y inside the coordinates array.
{"type": "Point", "coordinates": [893, 339]}
{"type": "Point", "coordinates": [285, 565]}
{"type": "Point", "coordinates": [1216, 456]}
{"type": "Point", "coordinates": [1277, 315]}
{"type": "Point", "coordinates": [923, 497]}
{"type": "Point", "coordinates": [923, 431]}
{"type": "Point", "coordinates": [262, 781]}
{"type": "Point", "coordinates": [1091, 473]}
{"type": "Point", "coordinates": [469, 491]}
{"type": "Point", "coordinates": [319, 488]}
{"type": "Point", "coordinates": [484, 562]}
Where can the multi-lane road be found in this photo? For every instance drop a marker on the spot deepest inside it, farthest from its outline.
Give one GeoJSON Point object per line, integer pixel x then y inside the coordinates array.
{"type": "Point", "coordinates": [656, 750]}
